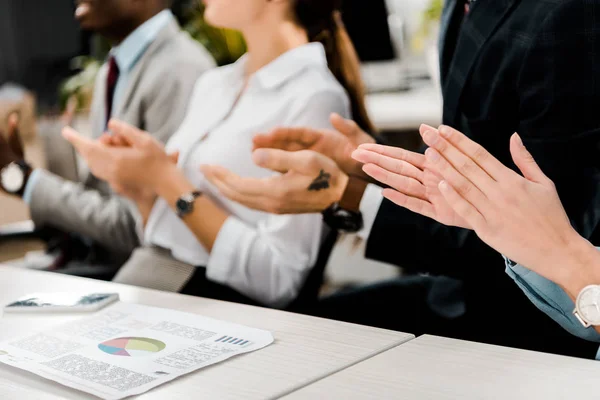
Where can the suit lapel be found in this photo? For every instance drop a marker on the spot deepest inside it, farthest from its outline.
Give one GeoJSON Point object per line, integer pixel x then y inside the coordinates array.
{"type": "Point", "coordinates": [169, 32]}
{"type": "Point", "coordinates": [98, 107]}
{"type": "Point", "coordinates": [445, 24]}
{"type": "Point", "coordinates": [477, 28]}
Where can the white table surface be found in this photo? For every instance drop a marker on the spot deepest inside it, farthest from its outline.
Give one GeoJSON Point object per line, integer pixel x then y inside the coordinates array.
{"type": "Point", "coordinates": [439, 368]}
{"type": "Point", "coordinates": [305, 349]}
{"type": "Point", "coordinates": [406, 110]}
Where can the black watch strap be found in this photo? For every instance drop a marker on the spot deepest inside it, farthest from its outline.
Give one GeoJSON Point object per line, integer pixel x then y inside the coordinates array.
{"type": "Point", "coordinates": [27, 170]}
{"type": "Point", "coordinates": [343, 220]}
{"type": "Point", "coordinates": [185, 204]}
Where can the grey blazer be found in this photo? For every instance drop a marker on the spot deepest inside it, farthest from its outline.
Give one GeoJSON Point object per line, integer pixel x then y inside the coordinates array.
{"type": "Point", "coordinates": [155, 101]}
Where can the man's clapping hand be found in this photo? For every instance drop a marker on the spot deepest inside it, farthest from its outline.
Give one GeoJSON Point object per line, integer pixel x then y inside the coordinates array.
{"type": "Point", "coordinates": [11, 148]}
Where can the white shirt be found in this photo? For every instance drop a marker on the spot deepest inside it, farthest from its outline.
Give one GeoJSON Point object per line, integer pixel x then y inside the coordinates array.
{"type": "Point", "coordinates": [369, 207]}
{"type": "Point", "coordinates": [266, 257]}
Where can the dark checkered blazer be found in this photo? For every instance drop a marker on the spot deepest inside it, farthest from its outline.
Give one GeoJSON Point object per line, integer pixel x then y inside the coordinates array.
{"type": "Point", "coordinates": [527, 66]}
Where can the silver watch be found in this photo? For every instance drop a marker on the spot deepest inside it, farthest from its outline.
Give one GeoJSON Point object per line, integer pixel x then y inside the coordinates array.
{"type": "Point", "coordinates": [587, 306]}
{"type": "Point", "coordinates": [14, 176]}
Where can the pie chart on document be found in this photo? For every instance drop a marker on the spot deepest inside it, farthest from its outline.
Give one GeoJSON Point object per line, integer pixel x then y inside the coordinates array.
{"type": "Point", "coordinates": [132, 347]}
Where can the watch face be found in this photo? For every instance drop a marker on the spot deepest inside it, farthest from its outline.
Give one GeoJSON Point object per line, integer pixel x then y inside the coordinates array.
{"type": "Point", "coordinates": [184, 206]}
{"type": "Point", "coordinates": [12, 178]}
{"type": "Point", "coordinates": [588, 304]}
{"type": "Point", "coordinates": [343, 220]}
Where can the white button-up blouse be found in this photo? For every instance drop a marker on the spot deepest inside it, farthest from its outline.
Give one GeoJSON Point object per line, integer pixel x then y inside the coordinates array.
{"type": "Point", "coordinates": [266, 257]}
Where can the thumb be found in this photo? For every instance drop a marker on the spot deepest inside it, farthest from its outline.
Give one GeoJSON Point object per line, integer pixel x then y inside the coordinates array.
{"type": "Point", "coordinates": [174, 157]}
{"type": "Point", "coordinates": [82, 144]}
{"type": "Point", "coordinates": [305, 161]}
{"type": "Point", "coordinates": [129, 133]}
{"type": "Point", "coordinates": [14, 136]}
{"type": "Point", "coordinates": [347, 127]}
{"type": "Point", "coordinates": [525, 161]}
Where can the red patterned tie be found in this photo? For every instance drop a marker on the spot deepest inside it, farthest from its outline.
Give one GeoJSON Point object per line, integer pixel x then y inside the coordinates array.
{"type": "Point", "coordinates": [111, 83]}
{"type": "Point", "coordinates": [468, 5]}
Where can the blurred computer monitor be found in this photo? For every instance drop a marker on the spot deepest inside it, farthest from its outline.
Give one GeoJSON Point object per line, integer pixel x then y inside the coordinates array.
{"type": "Point", "coordinates": [379, 39]}
{"type": "Point", "coordinates": [368, 27]}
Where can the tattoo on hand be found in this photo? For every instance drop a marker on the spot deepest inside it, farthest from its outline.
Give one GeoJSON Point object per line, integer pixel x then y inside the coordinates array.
{"type": "Point", "coordinates": [321, 182]}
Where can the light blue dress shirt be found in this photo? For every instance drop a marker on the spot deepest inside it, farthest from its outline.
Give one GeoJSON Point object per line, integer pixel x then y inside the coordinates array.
{"type": "Point", "coordinates": [552, 300]}
{"type": "Point", "coordinates": [127, 54]}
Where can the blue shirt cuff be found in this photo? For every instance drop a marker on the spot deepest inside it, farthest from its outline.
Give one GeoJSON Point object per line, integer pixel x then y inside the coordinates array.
{"type": "Point", "coordinates": [551, 299]}
{"type": "Point", "coordinates": [31, 182]}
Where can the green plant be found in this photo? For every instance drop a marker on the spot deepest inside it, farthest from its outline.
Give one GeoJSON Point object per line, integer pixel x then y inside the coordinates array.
{"type": "Point", "coordinates": [225, 45]}
{"type": "Point", "coordinates": [80, 87]}
{"type": "Point", "coordinates": [430, 18]}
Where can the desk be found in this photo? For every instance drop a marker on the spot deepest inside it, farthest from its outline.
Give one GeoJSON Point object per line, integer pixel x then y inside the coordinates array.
{"type": "Point", "coordinates": [306, 349]}
{"type": "Point", "coordinates": [406, 110]}
{"type": "Point", "coordinates": [439, 368]}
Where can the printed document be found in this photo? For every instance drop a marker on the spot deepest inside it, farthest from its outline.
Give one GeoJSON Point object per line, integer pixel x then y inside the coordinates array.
{"type": "Point", "coordinates": [128, 349]}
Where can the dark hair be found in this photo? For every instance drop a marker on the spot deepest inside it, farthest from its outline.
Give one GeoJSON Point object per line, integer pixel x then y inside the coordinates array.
{"type": "Point", "coordinates": [323, 21]}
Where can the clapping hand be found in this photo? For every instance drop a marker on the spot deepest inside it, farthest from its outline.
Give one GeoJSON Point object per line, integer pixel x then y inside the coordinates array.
{"type": "Point", "coordinates": [414, 186]}
{"type": "Point", "coordinates": [519, 216]}
{"type": "Point", "coordinates": [11, 148]}
{"type": "Point", "coordinates": [309, 182]}
{"type": "Point", "coordinates": [336, 144]}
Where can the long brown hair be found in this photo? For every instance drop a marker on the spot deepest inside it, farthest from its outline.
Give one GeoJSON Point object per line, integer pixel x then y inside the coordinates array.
{"type": "Point", "coordinates": [323, 21]}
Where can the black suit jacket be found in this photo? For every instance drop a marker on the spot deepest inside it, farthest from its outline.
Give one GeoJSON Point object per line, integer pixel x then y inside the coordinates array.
{"type": "Point", "coordinates": [527, 66]}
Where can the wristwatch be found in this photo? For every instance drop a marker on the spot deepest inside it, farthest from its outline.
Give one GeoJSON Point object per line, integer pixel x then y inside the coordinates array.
{"type": "Point", "coordinates": [587, 306]}
{"type": "Point", "coordinates": [185, 204]}
{"type": "Point", "coordinates": [345, 215]}
{"type": "Point", "coordinates": [13, 177]}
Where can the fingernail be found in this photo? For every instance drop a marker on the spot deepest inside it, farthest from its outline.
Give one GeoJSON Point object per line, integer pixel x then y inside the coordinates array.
{"type": "Point", "coordinates": [444, 131]}
{"type": "Point", "coordinates": [518, 140]}
{"type": "Point", "coordinates": [357, 153]}
{"type": "Point", "coordinates": [432, 155]}
{"type": "Point", "coordinates": [13, 118]}
{"type": "Point", "coordinates": [430, 137]}
{"type": "Point", "coordinates": [259, 156]}
{"type": "Point", "coordinates": [66, 132]}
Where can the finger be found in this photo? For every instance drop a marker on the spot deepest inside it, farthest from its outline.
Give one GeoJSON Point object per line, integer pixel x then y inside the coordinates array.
{"type": "Point", "coordinates": [424, 128]}
{"type": "Point", "coordinates": [416, 159]}
{"type": "Point", "coordinates": [408, 186]}
{"type": "Point", "coordinates": [413, 204]}
{"type": "Point", "coordinates": [290, 139]}
{"type": "Point", "coordinates": [305, 162]}
{"type": "Point", "coordinates": [347, 127]}
{"type": "Point", "coordinates": [14, 136]}
{"type": "Point", "coordinates": [465, 166]}
{"type": "Point", "coordinates": [475, 152]}
{"type": "Point", "coordinates": [256, 202]}
{"type": "Point", "coordinates": [245, 187]}
{"type": "Point", "coordinates": [106, 139]}
{"type": "Point", "coordinates": [70, 110]}
{"type": "Point", "coordinates": [174, 157]}
{"type": "Point", "coordinates": [462, 207]}
{"type": "Point", "coordinates": [465, 187]}
{"type": "Point", "coordinates": [525, 161]}
{"type": "Point", "coordinates": [82, 145]}
{"type": "Point", "coordinates": [398, 165]}
{"type": "Point", "coordinates": [128, 133]}
{"type": "Point", "coordinates": [117, 140]}
{"type": "Point", "coordinates": [13, 120]}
